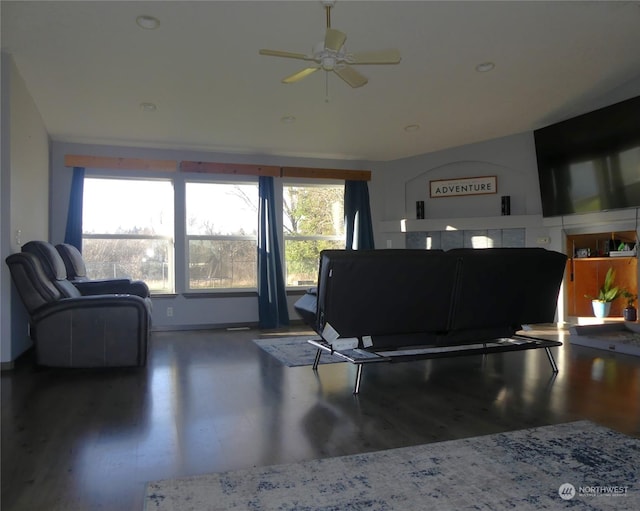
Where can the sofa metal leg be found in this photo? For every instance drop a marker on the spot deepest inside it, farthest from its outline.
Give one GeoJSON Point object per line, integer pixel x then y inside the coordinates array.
{"type": "Point", "coordinates": [552, 361]}
{"type": "Point", "coordinates": [317, 359]}
{"type": "Point", "coordinates": [356, 389]}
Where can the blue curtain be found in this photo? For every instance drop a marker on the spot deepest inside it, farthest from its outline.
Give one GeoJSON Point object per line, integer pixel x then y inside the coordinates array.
{"type": "Point", "coordinates": [357, 216]}
{"type": "Point", "coordinates": [73, 233]}
{"type": "Point", "coordinates": [272, 298]}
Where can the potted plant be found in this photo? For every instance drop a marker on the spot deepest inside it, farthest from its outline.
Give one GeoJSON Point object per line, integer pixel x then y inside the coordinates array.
{"type": "Point", "coordinates": [630, 313]}
{"type": "Point", "coordinates": [608, 293]}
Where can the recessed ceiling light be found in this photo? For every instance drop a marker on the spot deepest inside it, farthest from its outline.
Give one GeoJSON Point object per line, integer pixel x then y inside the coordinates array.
{"type": "Point", "coordinates": [412, 127]}
{"type": "Point", "coordinates": [287, 119]}
{"type": "Point", "coordinates": [485, 67]}
{"type": "Point", "coordinates": [148, 107]}
{"type": "Point", "coordinates": [148, 22]}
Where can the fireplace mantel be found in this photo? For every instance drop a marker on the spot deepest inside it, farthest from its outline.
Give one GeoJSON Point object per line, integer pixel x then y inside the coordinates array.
{"type": "Point", "coordinates": [453, 224]}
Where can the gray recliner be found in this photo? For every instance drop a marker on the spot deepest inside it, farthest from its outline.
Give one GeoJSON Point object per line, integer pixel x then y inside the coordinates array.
{"type": "Point", "coordinates": [70, 329]}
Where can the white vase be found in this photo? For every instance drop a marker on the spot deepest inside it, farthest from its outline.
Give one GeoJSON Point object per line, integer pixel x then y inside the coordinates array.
{"type": "Point", "coordinates": [600, 309]}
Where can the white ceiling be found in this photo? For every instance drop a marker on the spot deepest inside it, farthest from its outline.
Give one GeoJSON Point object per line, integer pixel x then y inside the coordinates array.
{"type": "Point", "coordinates": [88, 66]}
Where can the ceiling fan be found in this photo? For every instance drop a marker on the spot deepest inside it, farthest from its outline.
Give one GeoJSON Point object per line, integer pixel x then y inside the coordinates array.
{"type": "Point", "coordinates": [331, 55]}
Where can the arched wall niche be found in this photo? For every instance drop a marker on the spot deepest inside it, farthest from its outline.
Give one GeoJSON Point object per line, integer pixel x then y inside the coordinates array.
{"type": "Point", "coordinates": [509, 182]}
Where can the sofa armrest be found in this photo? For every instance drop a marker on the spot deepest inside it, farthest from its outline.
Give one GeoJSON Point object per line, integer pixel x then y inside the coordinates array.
{"type": "Point", "coordinates": [307, 307]}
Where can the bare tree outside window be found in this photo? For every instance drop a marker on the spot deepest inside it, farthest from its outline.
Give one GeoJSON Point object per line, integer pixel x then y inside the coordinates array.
{"type": "Point", "coordinates": [222, 225]}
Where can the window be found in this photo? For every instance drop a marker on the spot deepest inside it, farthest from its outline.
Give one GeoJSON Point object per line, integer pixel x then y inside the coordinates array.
{"type": "Point", "coordinates": [127, 230]}
{"type": "Point", "coordinates": [313, 220]}
{"type": "Point", "coordinates": [222, 224]}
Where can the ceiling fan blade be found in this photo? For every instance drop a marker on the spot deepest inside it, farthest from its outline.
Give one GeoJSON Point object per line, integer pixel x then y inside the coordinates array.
{"type": "Point", "coordinates": [351, 76]}
{"type": "Point", "coordinates": [286, 54]}
{"type": "Point", "coordinates": [300, 75]}
{"type": "Point", "coordinates": [334, 39]}
{"type": "Point", "coordinates": [390, 56]}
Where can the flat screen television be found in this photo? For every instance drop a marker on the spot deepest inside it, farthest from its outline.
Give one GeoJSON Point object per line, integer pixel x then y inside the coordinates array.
{"type": "Point", "coordinates": [591, 162]}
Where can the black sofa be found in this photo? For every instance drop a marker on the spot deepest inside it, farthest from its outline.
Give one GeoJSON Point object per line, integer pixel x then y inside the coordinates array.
{"type": "Point", "coordinates": [417, 303]}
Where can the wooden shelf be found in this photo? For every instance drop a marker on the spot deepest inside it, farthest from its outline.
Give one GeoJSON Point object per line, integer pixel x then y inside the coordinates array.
{"type": "Point", "coordinates": [587, 259]}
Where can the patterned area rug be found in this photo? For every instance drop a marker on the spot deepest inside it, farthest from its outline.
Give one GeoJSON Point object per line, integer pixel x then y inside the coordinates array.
{"type": "Point", "coordinates": [295, 351]}
{"type": "Point", "coordinates": [568, 466]}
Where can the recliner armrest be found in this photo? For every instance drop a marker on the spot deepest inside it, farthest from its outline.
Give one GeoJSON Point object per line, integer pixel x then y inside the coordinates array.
{"type": "Point", "coordinates": [92, 331]}
{"type": "Point", "coordinates": [79, 304]}
{"type": "Point", "coordinates": [113, 286]}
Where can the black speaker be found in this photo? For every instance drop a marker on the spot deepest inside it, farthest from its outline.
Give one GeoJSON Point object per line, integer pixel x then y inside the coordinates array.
{"type": "Point", "coordinates": [506, 205]}
{"type": "Point", "coordinates": [420, 210]}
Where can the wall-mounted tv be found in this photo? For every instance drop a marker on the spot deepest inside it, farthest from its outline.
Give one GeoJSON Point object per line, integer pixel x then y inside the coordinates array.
{"type": "Point", "coordinates": [591, 162]}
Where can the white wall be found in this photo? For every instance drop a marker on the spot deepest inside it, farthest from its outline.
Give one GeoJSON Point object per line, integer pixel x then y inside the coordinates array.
{"type": "Point", "coordinates": [5, 225]}
{"type": "Point", "coordinates": [25, 195]}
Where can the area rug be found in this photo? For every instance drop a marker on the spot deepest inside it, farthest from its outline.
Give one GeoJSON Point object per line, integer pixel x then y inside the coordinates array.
{"type": "Point", "coordinates": [619, 337]}
{"type": "Point", "coordinates": [295, 351]}
{"type": "Point", "coordinates": [576, 465]}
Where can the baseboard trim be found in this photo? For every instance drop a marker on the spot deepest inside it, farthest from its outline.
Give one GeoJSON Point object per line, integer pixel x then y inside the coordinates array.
{"type": "Point", "coordinates": [217, 326]}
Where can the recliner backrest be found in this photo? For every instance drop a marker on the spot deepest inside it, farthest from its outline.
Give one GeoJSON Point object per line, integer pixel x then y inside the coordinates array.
{"type": "Point", "coordinates": [77, 274]}
{"type": "Point", "coordinates": [73, 261]}
{"type": "Point", "coordinates": [34, 286]}
{"type": "Point", "coordinates": [53, 266]}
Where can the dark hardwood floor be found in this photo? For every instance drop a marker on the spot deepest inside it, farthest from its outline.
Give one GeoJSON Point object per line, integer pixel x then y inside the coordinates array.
{"type": "Point", "coordinates": [212, 401]}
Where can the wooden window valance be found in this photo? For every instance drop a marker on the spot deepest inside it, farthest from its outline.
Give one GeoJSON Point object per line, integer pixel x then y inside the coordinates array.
{"type": "Point", "coordinates": [265, 170]}
{"type": "Point", "coordinates": [206, 167]}
{"type": "Point", "coordinates": [106, 162]}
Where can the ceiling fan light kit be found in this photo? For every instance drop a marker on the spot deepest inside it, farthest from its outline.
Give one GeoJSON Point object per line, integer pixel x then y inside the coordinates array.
{"type": "Point", "coordinates": [330, 55]}
{"type": "Point", "coordinates": [485, 67]}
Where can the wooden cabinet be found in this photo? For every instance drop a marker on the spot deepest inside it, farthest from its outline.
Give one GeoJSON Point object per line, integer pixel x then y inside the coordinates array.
{"type": "Point", "coordinates": [586, 275]}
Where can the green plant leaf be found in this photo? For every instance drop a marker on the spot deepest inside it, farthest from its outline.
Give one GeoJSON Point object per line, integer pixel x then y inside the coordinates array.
{"type": "Point", "coordinates": [608, 292]}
